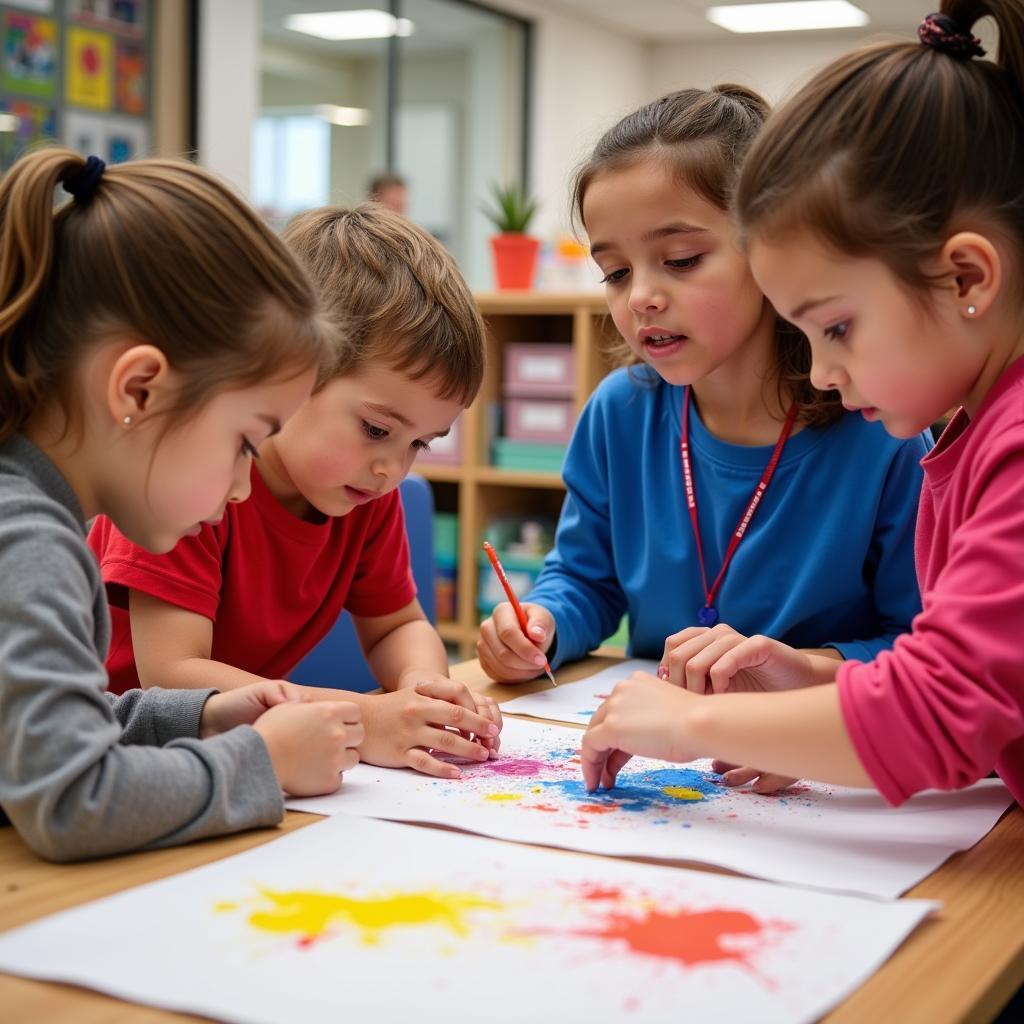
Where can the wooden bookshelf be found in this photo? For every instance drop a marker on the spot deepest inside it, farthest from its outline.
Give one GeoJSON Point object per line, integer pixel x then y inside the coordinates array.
{"type": "Point", "coordinates": [477, 491]}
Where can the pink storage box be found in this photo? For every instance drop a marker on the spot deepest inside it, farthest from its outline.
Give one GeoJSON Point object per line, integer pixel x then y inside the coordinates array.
{"type": "Point", "coordinates": [539, 419]}
{"type": "Point", "coordinates": [538, 371]}
{"type": "Point", "coordinates": [445, 450]}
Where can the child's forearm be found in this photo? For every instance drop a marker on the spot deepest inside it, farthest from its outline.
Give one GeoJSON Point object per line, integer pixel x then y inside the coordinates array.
{"type": "Point", "coordinates": [825, 662]}
{"type": "Point", "coordinates": [198, 674]}
{"type": "Point", "coordinates": [799, 733]}
{"type": "Point", "coordinates": [407, 649]}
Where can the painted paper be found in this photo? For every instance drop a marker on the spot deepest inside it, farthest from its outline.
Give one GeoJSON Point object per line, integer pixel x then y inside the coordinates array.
{"type": "Point", "coordinates": [576, 702]}
{"type": "Point", "coordinates": [30, 55]}
{"type": "Point", "coordinates": [89, 69]}
{"type": "Point", "coordinates": [352, 919]}
{"type": "Point", "coordinates": [825, 837]}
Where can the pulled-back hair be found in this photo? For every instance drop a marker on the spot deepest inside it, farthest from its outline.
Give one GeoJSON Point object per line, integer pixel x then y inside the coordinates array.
{"type": "Point", "coordinates": [702, 137]}
{"type": "Point", "coordinates": [395, 293]}
{"type": "Point", "coordinates": [161, 250]}
{"type": "Point", "coordinates": [885, 151]}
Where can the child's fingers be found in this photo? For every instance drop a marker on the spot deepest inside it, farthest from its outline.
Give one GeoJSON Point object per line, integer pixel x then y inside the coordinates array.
{"type": "Point", "coordinates": [767, 784]}
{"type": "Point", "coordinates": [615, 763]}
{"type": "Point", "coordinates": [739, 776]}
{"type": "Point", "coordinates": [421, 761]}
{"type": "Point", "coordinates": [457, 717]}
{"type": "Point", "coordinates": [348, 760]}
{"type": "Point", "coordinates": [448, 690]}
{"type": "Point", "coordinates": [677, 659]}
{"type": "Point", "coordinates": [499, 660]}
{"type": "Point", "coordinates": [721, 767]}
{"type": "Point", "coordinates": [594, 752]}
{"type": "Point", "coordinates": [450, 742]}
{"type": "Point", "coordinates": [510, 633]}
{"type": "Point", "coordinates": [699, 667]}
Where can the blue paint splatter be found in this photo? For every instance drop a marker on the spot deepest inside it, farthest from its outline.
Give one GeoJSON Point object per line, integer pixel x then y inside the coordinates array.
{"type": "Point", "coordinates": [642, 792]}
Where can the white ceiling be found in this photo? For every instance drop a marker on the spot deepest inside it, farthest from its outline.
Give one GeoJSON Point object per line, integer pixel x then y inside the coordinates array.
{"type": "Point", "coordinates": [452, 24]}
{"type": "Point", "coordinates": [681, 20]}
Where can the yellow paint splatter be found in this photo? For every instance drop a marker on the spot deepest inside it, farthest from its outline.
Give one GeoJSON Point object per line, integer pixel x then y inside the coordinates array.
{"type": "Point", "coordinates": [535, 789]}
{"type": "Point", "coordinates": [682, 793]}
{"type": "Point", "coordinates": [504, 796]}
{"type": "Point", "coordinates": [310, 914]}
{"type": "Point", "coordinates": [224, 907]}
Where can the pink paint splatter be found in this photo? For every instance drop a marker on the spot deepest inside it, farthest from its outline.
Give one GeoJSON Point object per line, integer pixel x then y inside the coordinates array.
{"type": "Point", "coordinates": [518, 766]}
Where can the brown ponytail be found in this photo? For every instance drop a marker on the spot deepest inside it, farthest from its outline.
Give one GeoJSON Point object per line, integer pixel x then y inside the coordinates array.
{"type": "Point", "coordinates": [888, 147]}
{"type": "Point", "coordinates": [161, 249]}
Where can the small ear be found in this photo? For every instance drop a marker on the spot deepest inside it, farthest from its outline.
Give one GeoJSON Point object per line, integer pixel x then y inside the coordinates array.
{"type": "Point", "coordinates": [138, 378]}
{"type": "Point", "coordinates": [975, 268]}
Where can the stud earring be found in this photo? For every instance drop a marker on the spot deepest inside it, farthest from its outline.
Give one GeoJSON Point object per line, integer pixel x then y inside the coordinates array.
{"type": "Point", "coordinates": [971, 310]}
{"type": "Point", "coordinates": [127, 421]}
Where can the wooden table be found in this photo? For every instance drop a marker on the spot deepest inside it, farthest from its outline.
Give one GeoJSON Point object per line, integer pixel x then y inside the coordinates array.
{"type": "Point", "coordinates": [961, 965]}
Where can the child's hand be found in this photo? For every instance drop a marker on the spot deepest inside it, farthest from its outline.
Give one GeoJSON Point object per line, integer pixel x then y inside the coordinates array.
{"type": "Point", "coordinates": [311, 743]}
{"type": "Point", "coordinates": [642, 716]}
{"type": "Point", "coordinates": [733, 775]}
{"type": "Point", "coordinates": [433, 684]}
{"type": "Point", "coordinates": [505, 654]}
{"type": "Point", "coordinates": [719, 659]}
{"type": "Point", "coordinates": [402, 728]}
{"type": "Point", "coordinates": [242, 706]}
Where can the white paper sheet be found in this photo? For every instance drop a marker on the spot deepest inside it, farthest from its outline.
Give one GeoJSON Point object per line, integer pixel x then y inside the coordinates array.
{"type": "Point", "coordinates": [576, 702]}
{"type": "Point", "coordinates": [355, 920]}
{"type": "Point", "coordinates": [830, 838]}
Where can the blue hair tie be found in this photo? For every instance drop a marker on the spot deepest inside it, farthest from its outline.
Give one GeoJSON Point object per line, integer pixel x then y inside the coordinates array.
{"type": "Point", "coordinates": [83, 184]}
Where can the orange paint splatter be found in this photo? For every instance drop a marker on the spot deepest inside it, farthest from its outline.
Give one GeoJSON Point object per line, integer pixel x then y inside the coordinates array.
{"type": "Point", "coordinates": [550, 808]}
{"type": "Point", "coordinates": [686, 937]}
{"type": "Point", "coordinates": [597, 893]}
{"type": "Point", "coordinates": [596, 808]}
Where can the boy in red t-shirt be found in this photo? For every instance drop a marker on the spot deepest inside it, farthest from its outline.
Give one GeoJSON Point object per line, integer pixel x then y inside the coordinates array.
{"type": "Point", "coordinates": [248, 594]}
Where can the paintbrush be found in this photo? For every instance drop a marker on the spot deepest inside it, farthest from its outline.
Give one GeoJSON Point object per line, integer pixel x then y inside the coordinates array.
{"type": "Point", "coordinates": [513, 600]}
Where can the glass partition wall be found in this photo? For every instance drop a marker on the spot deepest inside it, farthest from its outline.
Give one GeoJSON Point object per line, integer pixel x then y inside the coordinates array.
{"type": "Point", "coordinates": [433, 91]}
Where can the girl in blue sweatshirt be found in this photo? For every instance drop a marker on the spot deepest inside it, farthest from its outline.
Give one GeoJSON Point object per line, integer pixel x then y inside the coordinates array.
{"type": "Point", "coordinates": [708, 482]}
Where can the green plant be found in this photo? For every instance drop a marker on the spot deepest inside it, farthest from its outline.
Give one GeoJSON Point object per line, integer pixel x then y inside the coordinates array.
{"type": "Point", "coordinates": [513, 209]}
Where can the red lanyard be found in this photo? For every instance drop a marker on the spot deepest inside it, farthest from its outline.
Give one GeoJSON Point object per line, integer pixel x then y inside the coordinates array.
{"type": "Point", "coordinates": [708, 615]}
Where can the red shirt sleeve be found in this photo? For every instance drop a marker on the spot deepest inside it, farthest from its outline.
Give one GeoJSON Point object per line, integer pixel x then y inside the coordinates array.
{"type": "Point", "coordinates": [383, 581]}
{"type": "Point", "coordinates": [189, 576]}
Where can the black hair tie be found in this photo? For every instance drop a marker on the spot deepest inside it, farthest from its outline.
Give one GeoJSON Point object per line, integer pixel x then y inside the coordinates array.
{"type": "Point", "coordinates": [83, 183]}
{"type": "Point", "coordinates": [942, 33]}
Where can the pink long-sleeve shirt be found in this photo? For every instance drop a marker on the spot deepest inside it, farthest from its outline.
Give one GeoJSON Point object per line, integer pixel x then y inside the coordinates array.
{"type": "Point", "coordinates": [946, 705]}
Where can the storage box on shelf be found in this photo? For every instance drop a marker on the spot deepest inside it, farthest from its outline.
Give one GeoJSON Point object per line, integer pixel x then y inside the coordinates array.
{"type": "Point", "coordinates": [554, 347]}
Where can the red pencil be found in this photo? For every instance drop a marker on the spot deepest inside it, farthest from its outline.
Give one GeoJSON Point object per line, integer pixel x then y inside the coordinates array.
{"type": "Point", "coordinates": [513, 600]}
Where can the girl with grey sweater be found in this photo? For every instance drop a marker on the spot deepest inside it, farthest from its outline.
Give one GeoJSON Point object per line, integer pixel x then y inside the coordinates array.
{"type": "Point", "coordinates": [153, 332]}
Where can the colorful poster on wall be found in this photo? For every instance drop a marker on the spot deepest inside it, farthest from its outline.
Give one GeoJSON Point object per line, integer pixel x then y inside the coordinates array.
{"type": "Point", "coordinates": [115, 139]}
{"type": "Point", "coordinates": [89, 69]}
{"type": "Point", "coordinates": [124, 16]}
{"type": "Point", "coordinates": [23, 124]}
{"type": "Point", "coordinates": [130, 77]}
{"type": "Point", "coordinates": [30, 55]}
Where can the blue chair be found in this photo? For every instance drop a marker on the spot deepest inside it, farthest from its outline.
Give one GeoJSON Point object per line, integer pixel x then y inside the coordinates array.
{"type": "Point", "coordinates": [337, 661]}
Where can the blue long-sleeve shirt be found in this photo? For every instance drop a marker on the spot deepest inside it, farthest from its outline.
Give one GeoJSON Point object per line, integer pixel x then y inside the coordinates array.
{"type": "Point", "coordinates": [827, 561]}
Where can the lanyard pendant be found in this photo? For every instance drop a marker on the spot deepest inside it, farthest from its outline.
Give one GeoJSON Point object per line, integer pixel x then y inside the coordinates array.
{"type": "Point", "coordinates": [707, 616]}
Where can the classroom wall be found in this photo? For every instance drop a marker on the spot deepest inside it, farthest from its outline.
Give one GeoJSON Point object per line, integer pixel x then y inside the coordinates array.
{"type": "Point", "coordinates": [585, 78]}
{"type": "Point", "coordinates": [772, 66]}
{"type": "Point", "coordinates": [228, 86]}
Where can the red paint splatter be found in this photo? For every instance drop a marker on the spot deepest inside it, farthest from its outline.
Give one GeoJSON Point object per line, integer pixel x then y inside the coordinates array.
{"type": "Point", "coordinates": [688, 938]}
{"type": "Point", "coordinates": [602, 696]}
{"type": "Point", "coordinates": [596, 808]}
{"type": "Point", "coordinates": [595, 893]}
{"type": "Point", "coordinates": [550, 808]}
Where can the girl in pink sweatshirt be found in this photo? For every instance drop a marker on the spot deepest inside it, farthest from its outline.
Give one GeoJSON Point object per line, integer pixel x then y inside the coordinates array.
{"type": "Point", "coordinates": [883, 209]}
